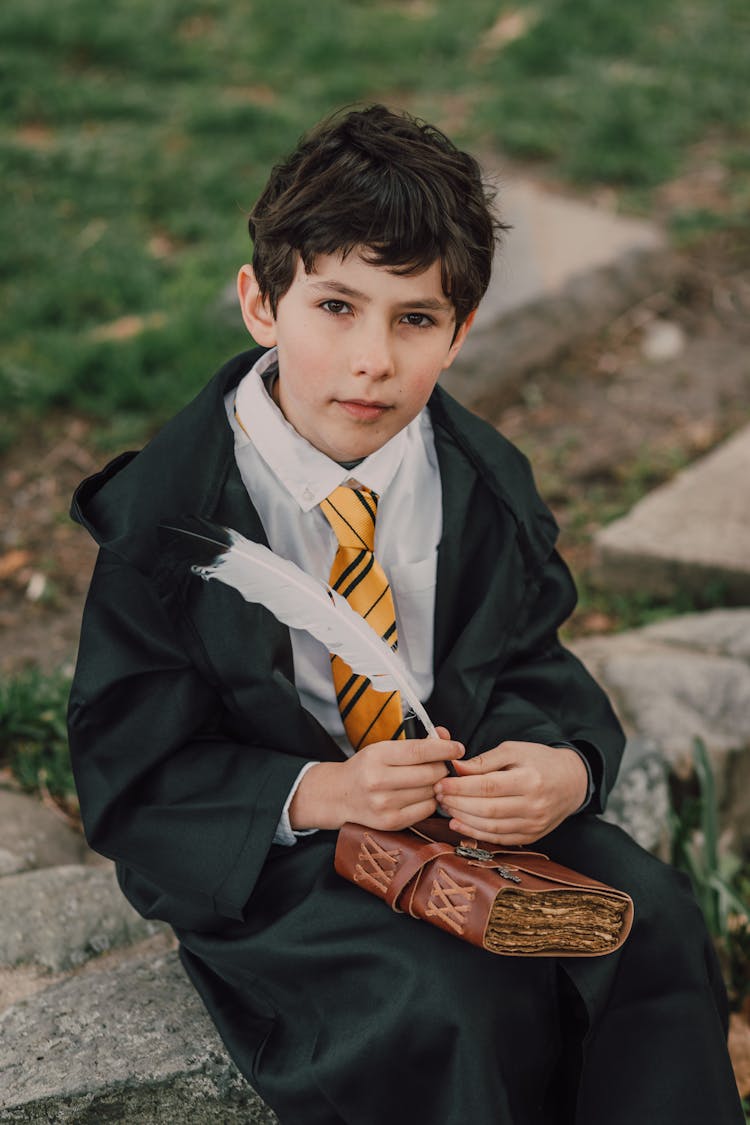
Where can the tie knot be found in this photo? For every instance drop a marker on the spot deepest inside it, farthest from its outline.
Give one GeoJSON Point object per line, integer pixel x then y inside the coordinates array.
{"type": "Point", "coordinates": [351, 513]}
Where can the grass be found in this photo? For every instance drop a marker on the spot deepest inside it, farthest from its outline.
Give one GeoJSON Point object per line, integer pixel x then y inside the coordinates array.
{"type": "Point", "coordinates": [33, 734]}
{"type": "Point", "coordinates": [719, 877]}
{"type": "Point", "coordinates": [134, 138]}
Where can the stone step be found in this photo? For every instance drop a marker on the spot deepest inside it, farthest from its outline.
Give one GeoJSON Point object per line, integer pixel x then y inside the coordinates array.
{"type": "Point", "coordinates": [563, 273]}
{"type": "Point", "coordinates": [129, 1044]}
{"type": "Point", "coordinates": [639, 802]}
{"type": "Point", "coordinates": [59, 917]}
{"type": "Point", "coordinates": [673, 682]}
{"type": "Point", "coordinates": [32, 836]}
{"type": "Point", "coordinates": [691, 535]}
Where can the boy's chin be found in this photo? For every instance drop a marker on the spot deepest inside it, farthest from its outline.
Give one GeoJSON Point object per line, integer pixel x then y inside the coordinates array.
{"type": "Point", "coordinates": [346, 447]}
{"type": "Point", "coordinates": [344, 454]}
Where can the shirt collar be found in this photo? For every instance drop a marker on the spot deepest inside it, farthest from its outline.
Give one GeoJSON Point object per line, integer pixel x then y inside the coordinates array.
{"type": "Point", "coordinates": [306, 473]}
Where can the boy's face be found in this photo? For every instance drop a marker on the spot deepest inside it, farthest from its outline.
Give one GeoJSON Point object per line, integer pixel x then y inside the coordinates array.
{"type": "Point", "coordinates": [360, 349]}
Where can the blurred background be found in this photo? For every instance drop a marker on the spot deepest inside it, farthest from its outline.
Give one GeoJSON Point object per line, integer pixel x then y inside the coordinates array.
{"type": "Point", "coordinates": [134, 138]}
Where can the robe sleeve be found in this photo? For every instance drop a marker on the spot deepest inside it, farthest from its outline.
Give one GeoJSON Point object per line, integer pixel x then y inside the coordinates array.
{"type": "Point", "coordinates": [543, 693]}
{"type": "Point", "coordinates": [187, 810]}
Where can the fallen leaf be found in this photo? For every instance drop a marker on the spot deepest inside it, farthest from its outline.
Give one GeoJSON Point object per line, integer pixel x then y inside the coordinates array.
{"type": "Point", "coordinates": [126, 327]}
{"type": "Point", "coordinates": [8, 779]}
{"type": "Point", "coordinates": [92, 233]}
{"type": "Point", "coordinates": [508, 27]}
{"type": "Point", "coordinates": [56, 805]}
{"type": "Point", "coordinates": [12, 562]}
{"type": "Point", "coordinates": [161, 246]}
{"type": "Point", "coordinates": [255, 94]}
{"type": "Point", "coordinates": [739, 1051]}
{"type": "Point", "coordinates": [196, 27]}
{"type": "Point", "coordinates": [597, 622]}
{"type": "Point", "coordinates": [35, 135]}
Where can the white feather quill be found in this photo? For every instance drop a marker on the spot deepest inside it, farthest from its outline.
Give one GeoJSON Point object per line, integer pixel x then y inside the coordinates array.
{"type": "Point", "coordinates": [302, 602]}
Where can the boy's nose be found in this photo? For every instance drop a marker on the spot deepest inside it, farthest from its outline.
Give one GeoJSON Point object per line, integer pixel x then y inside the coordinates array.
{"type": "Point", "coordinates": [372, 355]}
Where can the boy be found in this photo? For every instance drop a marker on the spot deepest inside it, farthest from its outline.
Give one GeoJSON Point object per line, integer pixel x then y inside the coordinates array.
{"type": "Point", "coordinates": [215, 751]}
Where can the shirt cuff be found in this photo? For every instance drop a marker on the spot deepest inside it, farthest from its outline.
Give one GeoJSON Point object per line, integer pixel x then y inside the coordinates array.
{"type": "Point", "coordinates": [590, 788]}
{"type": "Point", "coordinates": [285, 834]}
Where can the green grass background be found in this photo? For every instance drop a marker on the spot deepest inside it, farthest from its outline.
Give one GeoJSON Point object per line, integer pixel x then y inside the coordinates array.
{"type": "Point", "coordinates": [135, 136]}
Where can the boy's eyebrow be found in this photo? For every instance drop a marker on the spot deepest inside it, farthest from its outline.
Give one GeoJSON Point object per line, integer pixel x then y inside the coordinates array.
{"type": "Point", "coordinates": [429, 303]}
{"type": "Point", "coordinates": [343, 290]}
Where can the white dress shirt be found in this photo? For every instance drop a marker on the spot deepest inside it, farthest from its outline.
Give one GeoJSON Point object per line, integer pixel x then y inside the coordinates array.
{"type": "Point", "coordinates": [287, 477]}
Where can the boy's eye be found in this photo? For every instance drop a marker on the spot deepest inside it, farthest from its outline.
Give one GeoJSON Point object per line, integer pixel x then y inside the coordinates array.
{"type": "Point", "coordinates": [418, 320]}
{"type": "Point", "coordinates": [336, 308]}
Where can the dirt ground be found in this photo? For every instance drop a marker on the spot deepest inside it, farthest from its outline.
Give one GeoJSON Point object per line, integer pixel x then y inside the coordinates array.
{"type": "Point", "coordinates": [597, 419]}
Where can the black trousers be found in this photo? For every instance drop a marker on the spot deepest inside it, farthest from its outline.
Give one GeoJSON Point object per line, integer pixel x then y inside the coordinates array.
{"type": "Point", "coordinates": [339, 1011]}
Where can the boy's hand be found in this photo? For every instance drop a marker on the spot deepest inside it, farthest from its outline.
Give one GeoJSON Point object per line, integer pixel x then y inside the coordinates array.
{"type": "Point", "coordinates": [386, 785]}
{"type": "Point", "coordinates": [514, 793]}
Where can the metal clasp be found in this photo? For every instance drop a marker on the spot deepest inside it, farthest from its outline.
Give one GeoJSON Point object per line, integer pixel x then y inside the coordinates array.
{"type": "Point", "coordinates": [472, 853]}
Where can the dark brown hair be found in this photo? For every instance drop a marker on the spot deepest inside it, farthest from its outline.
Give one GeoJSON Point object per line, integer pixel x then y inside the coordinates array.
{"type": "Point", "coordinates": [384, 181]}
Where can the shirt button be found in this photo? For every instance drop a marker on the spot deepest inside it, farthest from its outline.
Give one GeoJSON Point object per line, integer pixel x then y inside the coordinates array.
{"type": "Point", "coordinates": [308, 494]}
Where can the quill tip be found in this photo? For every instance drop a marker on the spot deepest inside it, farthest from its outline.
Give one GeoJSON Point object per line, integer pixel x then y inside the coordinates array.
{"type": "Point", "coordinates": [195, 540]}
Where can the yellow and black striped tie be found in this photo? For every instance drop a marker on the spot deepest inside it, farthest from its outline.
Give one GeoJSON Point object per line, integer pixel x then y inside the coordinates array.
{"type": "Point", "coordinates": [368, 715]}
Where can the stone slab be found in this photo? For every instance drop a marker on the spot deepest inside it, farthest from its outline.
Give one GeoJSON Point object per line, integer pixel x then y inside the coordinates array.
{"type": "Point", "coordinates": [683, 679]}
{"type": "Point", "coordinates": [31, 836]}
{"type": "Point", "coordinates": [59, 917]}
{"type": "Point", "coordinates": [563, 272]}
{"type": "Point", "coordinates": [16, 984]}
{"type": "Point", "coordinates": [639, 802]}
{"type": "Point", "coordinates": [721, 632]}
{"type": "Point", "coordinates": [692, 534]}
{"type": "Point", "coordinates": [132, 1044]}
{"type": "Point", "coordinates": [671, 696]}
{"type": "Point", "coordinates": [555, 239]}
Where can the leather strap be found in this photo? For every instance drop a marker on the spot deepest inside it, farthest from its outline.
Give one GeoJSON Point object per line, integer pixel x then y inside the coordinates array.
{"type": "Point", "coordinates": [411, 866]}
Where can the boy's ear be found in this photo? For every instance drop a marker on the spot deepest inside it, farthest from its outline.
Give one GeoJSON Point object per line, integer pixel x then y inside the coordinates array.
{"type": "Point", "coordinates": [458, 339]}
{"type": "Point", "coordinates": [256, 312]}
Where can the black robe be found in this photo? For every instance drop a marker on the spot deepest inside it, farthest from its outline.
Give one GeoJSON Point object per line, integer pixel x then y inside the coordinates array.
{"type": "Point", "coordinates": [187, 733]}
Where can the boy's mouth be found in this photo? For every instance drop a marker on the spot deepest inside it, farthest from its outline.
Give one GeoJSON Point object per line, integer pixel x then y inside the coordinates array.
{"type": "Point", "coordinates": [363, 409]}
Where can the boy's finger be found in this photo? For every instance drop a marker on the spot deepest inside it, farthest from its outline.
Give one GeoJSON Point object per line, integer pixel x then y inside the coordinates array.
{"type": "Point", "coordinates": [499, 783]}
{"type": "Point", "coordinates": [443, 732]}
{"type": "Point", "coordinates": [414, 795]}
{"type": "Point", "coordinates": [409, 775]}
{"type": "Point", "coordinates": [417, 812]}
{"type": "Point", "coordinates": [498, 758]}
{"type": "Point", "coordinates": [501, 808]}
{"type": "Point", "coordinates": [415, 751]}
{"type": "Point", "coordinates": [508, 833]}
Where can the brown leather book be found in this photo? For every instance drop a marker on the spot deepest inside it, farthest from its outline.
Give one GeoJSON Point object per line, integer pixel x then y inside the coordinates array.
{"type": "Point", "coordinates": [506, 900]}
